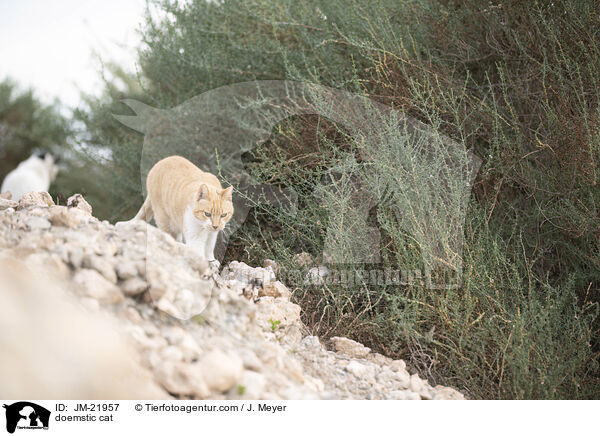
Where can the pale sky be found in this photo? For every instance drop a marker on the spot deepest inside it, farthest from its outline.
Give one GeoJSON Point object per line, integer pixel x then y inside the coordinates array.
{"type": "Point", "coordinates": [49, 44]}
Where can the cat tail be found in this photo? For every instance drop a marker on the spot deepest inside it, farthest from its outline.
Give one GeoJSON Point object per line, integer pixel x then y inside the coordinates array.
{"type": "Point", "coordinates": [145, 213]}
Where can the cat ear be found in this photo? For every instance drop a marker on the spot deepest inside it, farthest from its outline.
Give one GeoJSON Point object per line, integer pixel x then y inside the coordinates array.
{"type": "Point", "coordinates": [203, 192]}
{"type": "Point", "coordinates": [226, 193]}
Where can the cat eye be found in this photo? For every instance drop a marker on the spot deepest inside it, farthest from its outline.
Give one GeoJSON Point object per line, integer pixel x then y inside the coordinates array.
{"type": "Point", "coordinates": [224, 215]}
{"type": "Point", "coordinates": [207, 214]}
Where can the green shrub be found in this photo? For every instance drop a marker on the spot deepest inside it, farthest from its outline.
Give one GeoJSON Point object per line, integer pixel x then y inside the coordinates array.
{"type": "Point", "coordinates": [516, 82]}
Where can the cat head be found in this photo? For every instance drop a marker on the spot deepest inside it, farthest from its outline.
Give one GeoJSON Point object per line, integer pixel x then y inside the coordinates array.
{"type": "Point", "coordinates": [48, 161]}
{"type": "Point", "coordinates": [214, 207]}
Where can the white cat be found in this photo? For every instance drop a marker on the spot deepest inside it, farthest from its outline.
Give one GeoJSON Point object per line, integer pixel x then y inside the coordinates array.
{"type": "Point", "coordinates": [32, 175]}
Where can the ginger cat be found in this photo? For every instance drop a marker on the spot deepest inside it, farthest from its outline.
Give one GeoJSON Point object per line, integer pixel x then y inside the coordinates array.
{"type": "Point", "coordinates": [188, 203]}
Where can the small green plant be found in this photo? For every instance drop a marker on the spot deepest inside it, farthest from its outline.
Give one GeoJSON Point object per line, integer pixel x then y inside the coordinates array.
{"type": "Point", "coordinates": [274, 324]}
{"type": "Point", "coordinates": [241, 389]}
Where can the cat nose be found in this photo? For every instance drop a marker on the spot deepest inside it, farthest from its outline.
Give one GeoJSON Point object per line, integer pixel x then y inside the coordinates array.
{"type": "Point", "coordinates": [215, 227]}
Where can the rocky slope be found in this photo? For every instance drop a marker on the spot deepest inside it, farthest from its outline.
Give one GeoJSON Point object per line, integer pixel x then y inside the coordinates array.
{"type": "Point", "coordinates": [89, 310]}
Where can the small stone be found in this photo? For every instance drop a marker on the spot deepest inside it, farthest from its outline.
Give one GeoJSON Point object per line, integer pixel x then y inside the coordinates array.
{"type": "Point", "coordinates": [269, 263]}
{"type": "Point", "coordinates": [37, 211]}
{"type": "Point", "coordinates": [294, 369]}
{"type": "Point", "coordinates": [180, 378]}
{"type": "Point", "coordinates": [416, 384]}
{"type": "Point", "coordinates": [183, 304]}
{"type": "Point", "coordinates": [126, 270]}
{"type": "Point", "coordinates": [446, 393]}
{"type": "Point", "coordinates": [133, 315]}
{"type": "Point", "coordinates": [385, 376]}
{"type": "Point", "coordinates": [102, 265]}
{"type": "Point", "coordinates": [155, 343]}
{"type": "Point", "coordinates": [142, 341]}
{"type": "Point", "coordinates": [189, 347]}
{"type": "Point", "coordinates": [311, 342]}
{"type": "Point", "coordinates": [76, 257]}
{"type": "Point", "coordinates": [270, 310]}
{"type": "Point", "coordinates": [314, 384]}
{"type": "Point", "coordinates": [427, 393]}
{"type": "Point", "coordinates": [171, 353]}
{"type": "Point", "coordinates": [62, 216]}
{"type": "Point", "coordinates": [221, 371]}
{"type": "Point", "coordinates": [35, 199]}
{"type": "Point", "coordinates": [250, 360]}
{"type": "Point", "coordinates": [134, 286]}
{"type": "Point", "coordinates": [49, 262]}
{"type": "Point", "coordinates": [350, 348]}
{"type": "Point", "coordinates": [7, 195]}
{"type": "Point", "coordinates": [96, 286]}
{"type": "Point", "coordinates": [412, 395]}
{"type": "Point", "coordinates": [151, 330]}
{"type": "Point", "coordinates": [141, 268]}
{"type": "Point", "coordinates": [360, 370]}
{"type": "Point", "coordinates": [198, 264]}
{"type": "Point", "coordinates": [275, 289]}
{"type": "Point", "coordinates": [402, 377]}
{"type": "Point", "coordinates": [38, 223]}
{"type": "Point", "coordinates": [7, 204]}
{"type": "Point", "coordinates": [151, 358]}
{"type": "Point", "coordinates": [251, 385]}
{"type": "Point", "coordinates": [77, 201]}
{"type": "Point", "coordinates": [397, 395]}
{"type": "Point", "coordinates": [173, 334]}
{"type": "Point", "coordinates": [247, 275]}
{"type": "Point", "coordinates": [397, 365]}
{"type": "Point", "coordinates": [379, 359]}
{"type": "Point", "coordinates": [165, 305]}
{"type": "Point", "coordinates": [131, 225]}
